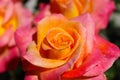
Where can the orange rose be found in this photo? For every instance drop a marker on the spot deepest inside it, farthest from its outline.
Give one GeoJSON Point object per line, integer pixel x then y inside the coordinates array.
{"type": "Point", "coordinates": [62, 49]}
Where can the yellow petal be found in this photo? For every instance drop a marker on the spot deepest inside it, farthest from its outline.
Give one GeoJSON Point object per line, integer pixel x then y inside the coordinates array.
{"type": "Point", "coordinates": [1, 31]}
{"type": "Point", "coordinates": [13, 22]}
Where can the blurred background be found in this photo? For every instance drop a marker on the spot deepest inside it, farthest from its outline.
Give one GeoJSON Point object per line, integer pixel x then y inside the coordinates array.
{"type": "Point", "coordinates": [112, 33]}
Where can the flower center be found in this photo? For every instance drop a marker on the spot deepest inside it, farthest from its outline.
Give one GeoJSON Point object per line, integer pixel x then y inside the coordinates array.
{"type": "Point", "coordinates": [59, 39]}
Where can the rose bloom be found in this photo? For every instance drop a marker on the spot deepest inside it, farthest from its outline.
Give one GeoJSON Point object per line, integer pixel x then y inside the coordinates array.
{"type": "Point", "coordinates": [100, 10]}
{"type": "Point", "coordinates": [63, 49]}
{"type": "Point", "coordinates": [11, 16]}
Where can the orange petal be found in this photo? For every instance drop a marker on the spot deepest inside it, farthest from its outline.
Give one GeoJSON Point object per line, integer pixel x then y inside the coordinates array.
{"type": "Point", "coordinates": [66, 7]}
{"type": "Point", "coordinates": [33, 56]}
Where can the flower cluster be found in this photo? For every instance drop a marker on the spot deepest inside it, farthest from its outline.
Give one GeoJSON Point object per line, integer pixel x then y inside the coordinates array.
{"type": "Point", "coordinates": [60, 42]}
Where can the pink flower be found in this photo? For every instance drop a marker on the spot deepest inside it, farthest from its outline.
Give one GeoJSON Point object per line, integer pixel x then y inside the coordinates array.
{"type": "Point", "coordinates": [65, 49]}
{"type": "Point", "coordinates": [11, 17]}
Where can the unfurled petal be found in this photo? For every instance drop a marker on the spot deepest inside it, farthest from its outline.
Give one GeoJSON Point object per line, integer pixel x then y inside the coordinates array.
{"type": "Point", "coordinates": [25, 19]}
{"type": "Point", "coordinates": [44, 11]}
{"type": "Point", "coordinates": [88, 23]}
{"type": "Point", "coordinates": [35, 58]}
{"type": "Point", "coordinates": [101, 14]}
{"type": "Point", "coordinates": [23, 37]}
{"type": "Point", "coordinates": [91, 61]}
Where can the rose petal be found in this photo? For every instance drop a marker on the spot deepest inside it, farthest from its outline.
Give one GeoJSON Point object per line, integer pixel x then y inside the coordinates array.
{"type": "Point", "coordinates": [44, 11]}
{"type": "Point", "coordinates": [107, 48]}
{"type": "Point", "coordinates": [66, 7]}
{"type": "Point", "coordinates": [23, 19]}
{"type": "Point", "coordinates": [9, 10]}
{"type": "Point", "coordinates": [88, 23]}
{"type": "Point", "coordinates": [31, 77]}
{"type": "Point", "coordinates": [35, 58]}
{"type": "Point", "coordinates": [9, 59]}
{"type": "Point", "coordinates": [6, 37]}
{"type": "Point", "coordinates": [92, 61]}
{"type": "Point", "coordinates": [101, 14]}
{"type": "Point", "coordinates": [23, 37]}
{"type": "Point", "coordinates": [99, 77]}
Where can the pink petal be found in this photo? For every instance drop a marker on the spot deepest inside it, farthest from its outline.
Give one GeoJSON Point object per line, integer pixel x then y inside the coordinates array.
{"type": "Point", "coordinates": [31, 77]}
{"type": "Point", "coordinates": [99, 77]}
{"type": "Point", "coordinates": [23, 36]}
{"type": "Point", "coordinates": [110, 53]}
{"type": "Point", "coordinates": [6, 37]}
{"type": "Point", "coordinates": [9, 60]}
{"type": "Point", "coordinates": [109, 49]}
{"type": "Point", "coordinates": [101, 14]}
{"type": "Point", "coordinates": [44, 11]}
{"type": "Point", "coordinates": [23, 14]}
{"type": "Point", "coordinates": [88, 23]}
{"type": "Point", "coordinates": [9, 11]}
{"type": "Point", "coordinates": [91, 61]}
{"type": "Point", "coordinates": [99, 61]}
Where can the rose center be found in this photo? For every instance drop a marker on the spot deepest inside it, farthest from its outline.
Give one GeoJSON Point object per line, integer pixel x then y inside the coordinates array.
{"type": "Point", "coordinates": [59, 39]}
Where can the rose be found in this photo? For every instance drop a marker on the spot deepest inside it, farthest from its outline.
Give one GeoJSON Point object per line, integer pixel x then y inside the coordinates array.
{"type": "Point", "coordinates": [11, 17]}
{"type": "Point", "coordinates": [62, 49]}
{"type": "Point", "coordinates": [99, 10]}
{"type": "Point", "coordinates": [88, 55]}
